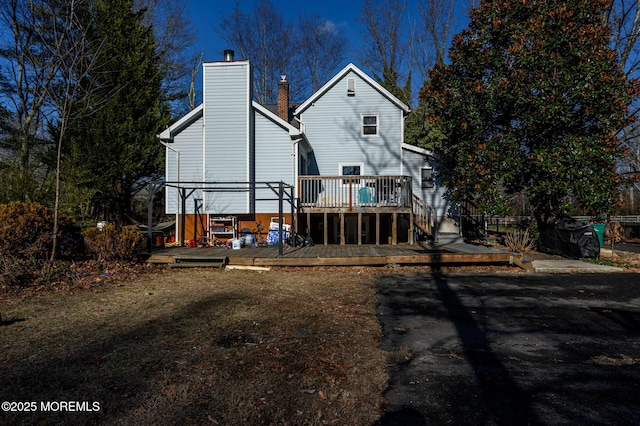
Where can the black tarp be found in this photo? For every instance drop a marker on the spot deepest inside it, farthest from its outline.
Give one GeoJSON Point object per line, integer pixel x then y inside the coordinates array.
{"type": "Point", "coordinates": [569, 238]}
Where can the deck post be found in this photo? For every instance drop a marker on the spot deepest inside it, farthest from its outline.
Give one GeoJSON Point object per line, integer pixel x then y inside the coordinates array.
{"type": "Point", "coordinates": [326, 229]}
{"type": "Point", "coordinates": [280, 213]}
{"type": "Point", "coordinates": [350, 194]}
{"type": "Point", "coordinates": [359, 229]}
{"type": "Point", "coordinates": [377, 228]}
{"type": "Point", "coordinates": [183, 219]}
{"type": "Point", "coordinates": [294, 220]}
{"type": "Point", "coordinates": [394, 229]}
{"type": "Point", "coordinates": [342, 239]}
{"type": "Point", "coordinates": [411, 233]}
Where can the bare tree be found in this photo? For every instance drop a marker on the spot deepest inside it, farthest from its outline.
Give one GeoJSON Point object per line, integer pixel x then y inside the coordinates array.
{"type": "Point", "coordinates": [193, 92]}
{"type": "Point", "coordinates": [68, 44]}
{"type": "Point", "coordinates": [29, 71]}
{"type": "Point", "coordinates": [264, 37]}
{"type": "Point", "coordinates": [624, 19]}
{"type": "Point", "coordinates": [175, 38]}
{"type": "Point", "coordinates": [321, 46]}
{"type": "Point", "coordinates": [437, 18]}
{"type": "Point", "coordinates": [386, 53]}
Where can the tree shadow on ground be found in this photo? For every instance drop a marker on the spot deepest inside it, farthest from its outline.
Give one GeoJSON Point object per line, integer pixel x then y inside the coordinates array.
{"type": "Point", "coordinates": [511, 349]}
{"type": "Point", "coordinates": [493, 388]}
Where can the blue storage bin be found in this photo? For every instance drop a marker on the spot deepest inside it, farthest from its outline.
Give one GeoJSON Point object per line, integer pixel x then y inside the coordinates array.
{"type": "Point", "coordinates": [272, 236]}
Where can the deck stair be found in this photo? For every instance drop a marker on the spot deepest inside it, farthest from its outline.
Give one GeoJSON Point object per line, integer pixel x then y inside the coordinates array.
{"type": "Point", "coordinates": [187, 257]}
{"type": "Point", "coordinates": [423, 216]}
{"type": "Point", "coordinates": [208, 263]}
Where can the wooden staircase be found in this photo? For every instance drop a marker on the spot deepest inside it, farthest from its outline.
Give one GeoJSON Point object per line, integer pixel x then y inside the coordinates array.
{"type": "Point", "coordinates": [423, 216]}
{"type": "Point", "coordinates": [187, 257]}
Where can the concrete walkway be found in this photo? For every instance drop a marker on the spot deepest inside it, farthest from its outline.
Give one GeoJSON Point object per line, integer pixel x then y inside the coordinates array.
{"type": "Point", "coordinates": [570, 266]}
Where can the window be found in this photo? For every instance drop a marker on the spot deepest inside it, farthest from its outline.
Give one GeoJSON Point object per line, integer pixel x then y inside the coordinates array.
{"type": "Point", "coordinates": [351, 169]}
{"type": "Point", "coordinates": [426, 178]}
{"type": "Point", "coordinates": [351, 87]}
{"type": "Point", "coordinates": [370, 125]}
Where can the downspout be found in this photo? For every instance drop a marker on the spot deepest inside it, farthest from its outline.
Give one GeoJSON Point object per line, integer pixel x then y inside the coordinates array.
{"type": "Point", "coordinates": [403, 117]}
{"type": "Point", "coordinates": [294, 154]}
{"type": "Point", "coordinates": [178, 181]}
{"type": "Point", "coordinates": [295, 146]}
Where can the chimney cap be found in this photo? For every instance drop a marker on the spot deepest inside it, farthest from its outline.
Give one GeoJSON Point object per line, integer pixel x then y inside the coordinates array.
{"type": "Point", "coordinates": [228, 55]}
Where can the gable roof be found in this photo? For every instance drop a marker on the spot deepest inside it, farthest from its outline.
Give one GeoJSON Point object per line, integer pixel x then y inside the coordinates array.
{"type": "Point", "coordinates": [340, 76]}
{"type": "Point", "coordinates": [274, 109]}
{"type": "Point", "coordinates": [293, 131]}
{"type": "Point", "coordinates": [168, 134]}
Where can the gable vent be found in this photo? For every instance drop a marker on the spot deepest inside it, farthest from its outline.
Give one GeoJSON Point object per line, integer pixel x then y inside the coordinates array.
{"type": "Point", "coordinates": [351, 87]}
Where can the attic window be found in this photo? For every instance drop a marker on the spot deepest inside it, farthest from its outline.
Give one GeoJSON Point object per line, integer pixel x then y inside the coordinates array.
{"type": "Point", "coordinates": [369, 125]}
{"type": "Point", "coordinates": [351, 87]}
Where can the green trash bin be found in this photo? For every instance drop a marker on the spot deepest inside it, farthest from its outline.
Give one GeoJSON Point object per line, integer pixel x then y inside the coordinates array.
{"type": "Point", "coordinates": [599, 228]}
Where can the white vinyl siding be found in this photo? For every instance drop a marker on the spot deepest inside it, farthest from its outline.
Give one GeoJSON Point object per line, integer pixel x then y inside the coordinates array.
{"type": "Point", "coordinates": [227, 127]}
{"type": "Point", "coordinates": [333, 125]}
{"type": "Point", "coordinates": [189, 144]}
{"type": "Point", "coordinates": [273, 161]}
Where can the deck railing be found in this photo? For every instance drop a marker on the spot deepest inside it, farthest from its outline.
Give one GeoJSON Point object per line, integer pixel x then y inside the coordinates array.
{"type": "Point", "coordinates": [351, 192]}
{"type": "Point", "coordinates": [423, 215]}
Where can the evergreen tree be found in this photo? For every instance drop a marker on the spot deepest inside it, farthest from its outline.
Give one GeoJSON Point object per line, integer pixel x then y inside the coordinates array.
{"type": "Point", "coordinates": [114, 150]}
{"type": "Point", "coordinates": [531, 102]}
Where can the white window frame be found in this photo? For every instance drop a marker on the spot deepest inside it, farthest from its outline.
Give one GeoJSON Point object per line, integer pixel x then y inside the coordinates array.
{"type": "Point", "coordinates": [432, 185]}
{"type": "Point", "coordinates": [377, 126]}
{"type": "Point", "coordinates": [341, 166]}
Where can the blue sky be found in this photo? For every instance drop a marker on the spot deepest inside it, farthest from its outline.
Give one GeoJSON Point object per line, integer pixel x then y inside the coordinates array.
{"type": "Point", "coordinates": [206, 15]}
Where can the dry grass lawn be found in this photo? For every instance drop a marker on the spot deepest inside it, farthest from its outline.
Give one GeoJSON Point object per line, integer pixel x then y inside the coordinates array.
{"type": "Point", "coordinates": [198, 347]}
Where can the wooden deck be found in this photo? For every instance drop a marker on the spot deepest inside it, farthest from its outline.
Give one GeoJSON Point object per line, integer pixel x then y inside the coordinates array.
{"type": "Point", "coordinates": [336, 255]}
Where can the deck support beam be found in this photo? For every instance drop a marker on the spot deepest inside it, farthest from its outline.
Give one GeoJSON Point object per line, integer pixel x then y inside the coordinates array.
{"type": "Point", "coordinates": [377, 228]}
{"type": "Point", "coordinates": [359, 229]}
{"type": "Point", "coordinates": [326, 228]}
{"type": "Point", "coordinates": [411, 235]}
{"type": "Point", "coordinates": [394, 229]}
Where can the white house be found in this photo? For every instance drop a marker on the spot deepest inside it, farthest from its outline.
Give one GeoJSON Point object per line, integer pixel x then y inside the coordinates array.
{"type": "Point", "coordinates": [348, 178]}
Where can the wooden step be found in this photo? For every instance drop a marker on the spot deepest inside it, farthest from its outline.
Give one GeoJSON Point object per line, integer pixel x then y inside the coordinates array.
{"type": "Point", "coordinates": [197, 264]}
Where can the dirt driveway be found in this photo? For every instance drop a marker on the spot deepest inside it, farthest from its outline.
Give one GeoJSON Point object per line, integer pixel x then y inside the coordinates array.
{"type": "Point", "coordinates": [512, 349]}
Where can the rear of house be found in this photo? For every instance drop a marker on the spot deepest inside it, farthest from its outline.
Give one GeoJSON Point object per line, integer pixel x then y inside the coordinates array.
{"type": "Point", "coordinates": [336, 166]}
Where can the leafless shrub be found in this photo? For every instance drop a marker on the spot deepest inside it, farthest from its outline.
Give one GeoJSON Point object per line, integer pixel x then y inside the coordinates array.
{"type": "Point", "coordinates": [614, 232]}
{"type": "Point", "coordinates": [519, 241]}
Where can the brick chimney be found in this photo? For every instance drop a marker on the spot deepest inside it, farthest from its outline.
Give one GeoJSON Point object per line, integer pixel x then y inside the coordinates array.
{"type": "Point", "coordinates": [283, 98]}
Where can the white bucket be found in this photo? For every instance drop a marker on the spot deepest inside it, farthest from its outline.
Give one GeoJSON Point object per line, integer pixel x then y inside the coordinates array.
{"type": "Point", "coordinates": [235, 244]}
